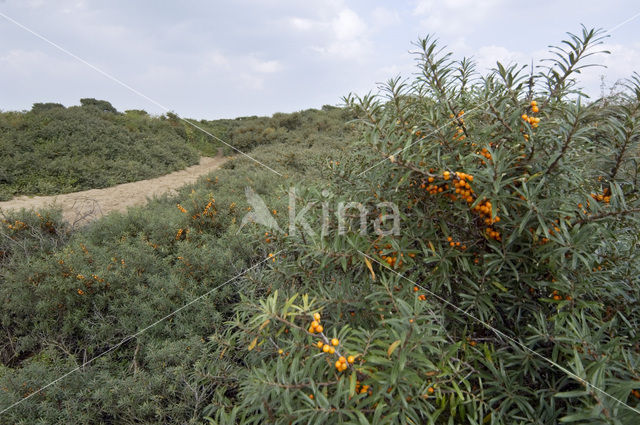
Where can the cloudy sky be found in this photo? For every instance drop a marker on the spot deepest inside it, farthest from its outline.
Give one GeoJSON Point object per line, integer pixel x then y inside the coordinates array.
{"type": "Point", "coordinates": [214, 59]}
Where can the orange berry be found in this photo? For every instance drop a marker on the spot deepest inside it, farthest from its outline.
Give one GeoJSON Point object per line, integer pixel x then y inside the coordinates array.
{"type": "Point", "coordinates": [326, 348]}
{"type": "Point", "coordinates": [332, 350]}
{"type": "Point", "coordinates": [335, 342]}
{"type": "Point", "coordinates": [320, 344]}
{"type": "Point", "coordinates": [319, 328]}
{"type": "Point", "coordinates": [415, 289]}
{"type": "Point", "coordinates": [311, 396]}
{"type": "Point", "coordinates": [351, 359]}
{"type": "Point", "coordinates": [316, 316]}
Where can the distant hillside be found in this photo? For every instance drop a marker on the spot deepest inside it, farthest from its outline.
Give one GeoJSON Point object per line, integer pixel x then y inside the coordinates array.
{"type": "Point", "coordinates": [52, 149]}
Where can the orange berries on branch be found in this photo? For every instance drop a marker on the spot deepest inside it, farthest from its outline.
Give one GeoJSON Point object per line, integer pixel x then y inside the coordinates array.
{"type": "Point", "coordinates": [533, 121]}
{"type": "Point", "coordinates": [484, 152]}
{"type": "Point", "coordinates": [534, 107]}
{"type": "Point", "coordinates": [558, 297]}
{"type": "Point", "coordinates": [605, 196]}
{"type": "Point", "coordinates": [363, 389]}
{"type": "Point", "coordinates": [454, 244]}
{"type": "Point", "coordinates": [329, 346]}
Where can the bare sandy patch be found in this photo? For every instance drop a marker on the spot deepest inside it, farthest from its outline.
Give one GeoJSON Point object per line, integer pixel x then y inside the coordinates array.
{"type": "Point", "coordinates": [87, 205]}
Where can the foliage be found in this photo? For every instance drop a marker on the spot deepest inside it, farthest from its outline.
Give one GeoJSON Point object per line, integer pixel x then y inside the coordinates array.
{"type": "Point", "coordinates": [510, 294]}
{"type": "Point", "coordinates": [67, 299]}
{"type": "Point", "coordinates": [52, 149]}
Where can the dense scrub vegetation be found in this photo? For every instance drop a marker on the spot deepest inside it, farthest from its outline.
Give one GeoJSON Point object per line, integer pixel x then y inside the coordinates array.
{"type": "Point", "coordinates": [509, 295]}
{"type": "Point", "coordinates": [52, 149]}
{"type": "Point", "coordinates": [68, 297]}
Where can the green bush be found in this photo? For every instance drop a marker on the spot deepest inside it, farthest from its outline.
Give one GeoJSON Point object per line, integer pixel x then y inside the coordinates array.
{"type": "Point", "coordinates": [511, 300]}
{"type": "Point", "coordinates": [52, 149]}
{"type": "Point", "coordinates": [510, 294]}
{"type": "Point", "coordinates": [66, 301]}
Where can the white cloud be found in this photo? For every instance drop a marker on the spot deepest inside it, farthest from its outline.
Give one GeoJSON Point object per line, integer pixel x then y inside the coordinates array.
{"type": "Point", "coordinates": [247, 70]}
{"type": "Point", "coordinates": [335, 31]}
{"type": "Point", "coordinates": [347, 25]}
{"type": "Point", "coordinates": [453, 16]}
{"type": "Point", "coordinates": [301, 23]}
{"type": "Point", "coordinates": [487, 56]}
{"type": "Point", "coordinates": [213, 60]}
{"type": "Point", "coordinates": [21, 63]}
{"type": "Point", "coordinates": [266, 67]}
{"type": "Point", "coordinates": [620, 64]}
{"type": "Point", "coordinates": [383, 17]}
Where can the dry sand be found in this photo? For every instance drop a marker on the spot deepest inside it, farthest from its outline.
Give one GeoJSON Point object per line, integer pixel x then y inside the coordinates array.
{"type": "Point", "coordinates": [84, 206]}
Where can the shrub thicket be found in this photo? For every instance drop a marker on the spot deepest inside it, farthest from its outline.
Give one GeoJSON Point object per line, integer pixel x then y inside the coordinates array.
{"type": "Point", "coordinates": [510, 294]}
{"type": "Point", "coordinates": [66, 298]}
{"type": "Point", "coordinates": [52, 149]}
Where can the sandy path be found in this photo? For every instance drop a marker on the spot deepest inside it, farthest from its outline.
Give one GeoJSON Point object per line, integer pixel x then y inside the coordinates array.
{"type": "Point", "coordinates": [84, 206]}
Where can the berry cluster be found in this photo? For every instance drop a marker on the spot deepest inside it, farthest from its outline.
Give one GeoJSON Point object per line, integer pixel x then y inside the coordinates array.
{"type": "Point", "coordinates": [461, 183]}
{"type": "Point", "coordinates": [605, 196]}
{"type": "Point", "coordinates": [421, 297]}
{"type": "Point", "coordinates": [363, 389]}
{"type": "Point", "coordinates": [329, 346]}
{"type": "Point", "coordinates": [533, 121]}
{"type": "Point", "coordinates": [464, 191]}
{"type": "Point", "coordinates": [457, 244]}
{"type": "Point", "coordinates": [459, 122]}
{"type": "Point", "coordinates": [484, 152]}
{"type": "Point", "coordinates": [463, 187]}
{"type": "Point", "coordinates": [485, 209]}
{"type": "Point", "coordinates": [17, 225]}
{"type": "Point", "coordinates": [557, 297]}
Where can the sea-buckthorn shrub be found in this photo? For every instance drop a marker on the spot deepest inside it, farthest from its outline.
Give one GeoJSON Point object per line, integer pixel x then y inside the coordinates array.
{"type": "Point", "coordinates": [510, 294]}
{"type": "Point", "coordinates": [52, 149]}
{"type": "Point", "coordinates": [65, 302]}
{"type": "Point", "coordinates": [25, 233]}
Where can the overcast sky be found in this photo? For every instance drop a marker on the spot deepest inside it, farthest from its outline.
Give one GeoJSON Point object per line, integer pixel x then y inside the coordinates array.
{"type": "Point", "coordinates": [214, 59]}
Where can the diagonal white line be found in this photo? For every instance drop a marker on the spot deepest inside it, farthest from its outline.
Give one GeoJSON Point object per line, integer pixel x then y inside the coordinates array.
{"type": "Point", "coordinates": [498, 332]}
{"type": "Point", "coordinates": [130, 337]}
{"type": "Point", "coordinates": [502, 334]}
{"type": "Point", "coordinates": [624, 22]}
{"type": "Point", "coordinates": [128, 87]}
{"type": "Point", "coordinates": [424, 137]}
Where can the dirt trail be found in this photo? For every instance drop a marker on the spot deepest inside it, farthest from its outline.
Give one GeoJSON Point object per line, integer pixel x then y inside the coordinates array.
{"type": "Point", "coordinates": [87, 205]}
